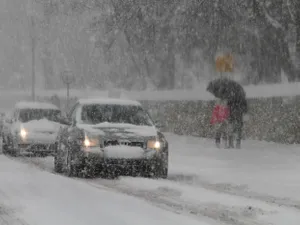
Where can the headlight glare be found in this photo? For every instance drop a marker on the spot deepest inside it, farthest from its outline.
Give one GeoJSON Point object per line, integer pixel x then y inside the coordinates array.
{"type": "Point", "coordinates": [23, 133]}
{"type": "Point", "coordinates": [87, 142]}
{"type": "Point", "coordinates": [153, 144]}
{"type": "Point", "coordinates": [91, 141]}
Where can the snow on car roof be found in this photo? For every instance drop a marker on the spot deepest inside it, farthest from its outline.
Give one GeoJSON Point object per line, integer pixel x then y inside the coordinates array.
{"type": "Point", "coordinates": [111, 101]}
{"type": "Point", "coordinates": [35, 105]}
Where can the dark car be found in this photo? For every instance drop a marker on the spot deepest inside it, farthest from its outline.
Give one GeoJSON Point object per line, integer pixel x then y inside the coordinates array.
{"type": "Point", "coordinates": [111, 135]}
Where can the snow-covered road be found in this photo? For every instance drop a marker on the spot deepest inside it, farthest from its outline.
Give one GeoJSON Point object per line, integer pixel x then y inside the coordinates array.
{"type": "Point", "coordinates": [257, 185]}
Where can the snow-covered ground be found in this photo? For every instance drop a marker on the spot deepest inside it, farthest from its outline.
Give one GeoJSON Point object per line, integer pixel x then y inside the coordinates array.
{"type": "Point", "coordinates": [257, 185]}
{"type": "Point", "coordinates": [29, 196]}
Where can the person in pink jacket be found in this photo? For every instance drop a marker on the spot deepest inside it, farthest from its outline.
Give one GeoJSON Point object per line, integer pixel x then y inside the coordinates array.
{"type": "Point", "coordinates": [219, 119]}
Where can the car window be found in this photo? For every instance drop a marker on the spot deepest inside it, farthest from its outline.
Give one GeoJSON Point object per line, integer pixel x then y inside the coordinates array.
{"type": "Point", "coordinates": [96, 114]}
{"type": "Point", "coordinates": [26, 115]}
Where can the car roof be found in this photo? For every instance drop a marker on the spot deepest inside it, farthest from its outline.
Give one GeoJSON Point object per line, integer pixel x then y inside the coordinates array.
{"type": "Point", "coordinates": [108, 101]}
{"type": "Point", "coordinates": [35, 105]}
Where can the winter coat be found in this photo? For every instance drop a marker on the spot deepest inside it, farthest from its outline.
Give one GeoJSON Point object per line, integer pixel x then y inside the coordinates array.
{"type": "Point", "coordinates": [237, 108]}
{"type": "Point", "coordinates": [220, 114]}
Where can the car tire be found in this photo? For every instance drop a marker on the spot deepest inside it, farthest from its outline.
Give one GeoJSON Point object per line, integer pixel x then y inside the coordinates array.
{"type": "Point", "coordinates": [16, 153]}
{"type": "Point", "coordinates": [160, 172]}
{"type": "Point", "coordinates": [86, 169]}
{"type": "Point", "coordinates": [161, 168]}
{"type": "Point", "coordinates": [85, 172]}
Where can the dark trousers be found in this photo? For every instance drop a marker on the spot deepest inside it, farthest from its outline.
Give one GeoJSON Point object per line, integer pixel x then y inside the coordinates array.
{"type": "Point", "coordinates": [221, 132]}
{"type": "Point", "coordinates": [236, 128]}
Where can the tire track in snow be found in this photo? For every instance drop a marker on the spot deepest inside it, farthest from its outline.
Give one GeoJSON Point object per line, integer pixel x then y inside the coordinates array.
{"type": "Point", "coordinates": [8, 216]}
{"type": "Point", "coordinates": [167, 199]}
{"type": "Point", "coordinates": [216, 212]}
{"type": "Point", "coordinates": [236, 190]}
{"type": "Point", "coordinates": [194, 181]}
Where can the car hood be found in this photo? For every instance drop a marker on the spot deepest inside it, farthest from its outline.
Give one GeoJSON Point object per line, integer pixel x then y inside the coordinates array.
{"type": "Point", "coordinates": [42, 126]}
{"type": "Point", "coordinates": [120, 130]}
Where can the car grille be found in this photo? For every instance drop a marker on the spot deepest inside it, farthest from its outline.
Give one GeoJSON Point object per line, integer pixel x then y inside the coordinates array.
{"type": "Point", "coordinates": [127, 143]}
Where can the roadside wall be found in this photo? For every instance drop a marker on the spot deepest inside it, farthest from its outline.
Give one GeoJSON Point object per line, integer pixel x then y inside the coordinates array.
{"type": "Point", "coordinates": [275, 119]}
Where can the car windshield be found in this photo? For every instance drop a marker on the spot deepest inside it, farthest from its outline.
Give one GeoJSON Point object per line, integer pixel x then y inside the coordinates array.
{"type": "Point", "coordinates": [95, 114]}
{"type": "Point", "coordinates": [37, 114]}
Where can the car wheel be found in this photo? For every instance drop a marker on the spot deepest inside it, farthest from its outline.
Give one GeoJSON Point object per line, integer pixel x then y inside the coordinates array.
{"type": "Point", "coordinates": [86, 169]}
{"type": "Point", "coordinates": [16, 153]}
{"type": "Point", "coordinates": [157, 171]}
{"type": "Point", "coordinates": [86, 172]}
{"type": "Point", "coordinates": [58, 163]}
{"type": "Point", "coordinates": [161, 168]}
{"type": "Point", "coordinates": [162, 172]}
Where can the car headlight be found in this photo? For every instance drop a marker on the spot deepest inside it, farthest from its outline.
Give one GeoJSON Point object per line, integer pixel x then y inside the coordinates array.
{"type": "Point", "coordinates": [23, 133]}
{"type": "Point", "coordinates": [91, 141]}
{"type": "Point", "coordinates": [154, 144]}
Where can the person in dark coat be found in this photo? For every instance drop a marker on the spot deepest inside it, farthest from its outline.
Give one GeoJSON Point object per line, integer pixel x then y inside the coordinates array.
{"type": "Point", "coordinates": [235, 95]}
{"type": "Point", "coordinates": [237, 108]}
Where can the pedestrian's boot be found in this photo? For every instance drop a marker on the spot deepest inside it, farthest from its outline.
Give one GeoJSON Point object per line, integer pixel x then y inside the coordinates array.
{"type": "Point", "coordinates": [230, 142]}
